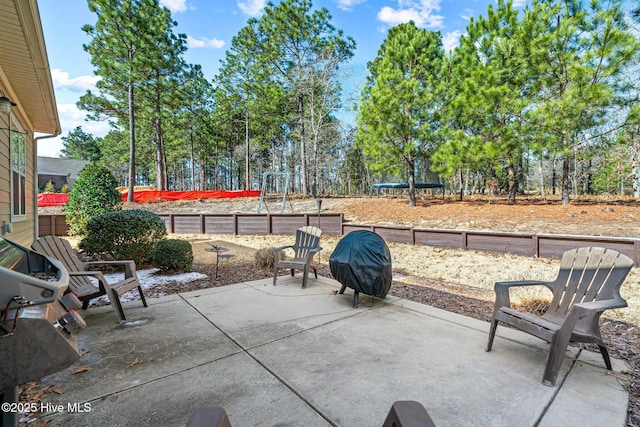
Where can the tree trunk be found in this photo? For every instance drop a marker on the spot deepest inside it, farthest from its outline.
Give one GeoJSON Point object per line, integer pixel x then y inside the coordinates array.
{"type": "Point", "coordinates": [132, 143]}
{"type": "Point", "coordinates": [553, 176]}
{"type": "Point", "coordinates": [635, 168]}
{"type": "Point", "coordinates": [161, 176]}
{"type": "Point", "coordinates": [541, 177]}
{"type": "Point", "coordinates": [565, 179]}
{"type": "Point", "coordinates": [303, 155]}
{"type": "Point", "coordinates": [247, 155]}
{"type": "Point", "coordinates": [511, 173]}
{"type": "Point", "coordinates": [412, 182]}
{"type": "Point", "coordinates": [521, 175]}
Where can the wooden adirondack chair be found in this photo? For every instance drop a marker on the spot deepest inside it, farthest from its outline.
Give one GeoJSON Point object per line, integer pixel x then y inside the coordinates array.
{"type": "Point", "coordinates": [306, 246]}
{"type": "Point", "coordinates": [79, 275]}
{"type": "Point", "coordinates": [588, 284]}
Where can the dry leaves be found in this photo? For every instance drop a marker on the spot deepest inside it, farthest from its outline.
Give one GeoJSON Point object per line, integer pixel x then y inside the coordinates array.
{"type": "Point", "coordinates": [134, 362]}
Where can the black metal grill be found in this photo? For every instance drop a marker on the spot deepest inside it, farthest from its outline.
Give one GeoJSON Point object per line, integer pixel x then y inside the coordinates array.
{"type": "Point", "coordinates": [362, 262]}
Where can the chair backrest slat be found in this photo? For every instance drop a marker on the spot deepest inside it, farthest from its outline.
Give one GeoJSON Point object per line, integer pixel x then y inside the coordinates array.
{"type": "Point", "coordinates": [587, 274]}
{"type": "Point", "coordinates": [61, 249]}
{"type": "Point", "coordinates": [307, 238]}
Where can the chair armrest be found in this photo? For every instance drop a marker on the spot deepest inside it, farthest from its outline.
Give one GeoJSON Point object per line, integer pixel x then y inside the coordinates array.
{"type": "Point", "coordinates": [129, 266]}
{"type": "Point", "coordinates": [517, 283]}
{"type": "Point", "coordinates": [102, 281]}
{"type": "Point", "coordinates": [588, 309]}
{"type": "Point", "coordinates": [599, 306]}
{"type": "Point", "coordinates": [502, 290]}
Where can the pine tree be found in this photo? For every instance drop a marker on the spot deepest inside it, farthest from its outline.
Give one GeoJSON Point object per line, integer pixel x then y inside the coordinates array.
{"type": "Point", "coordinates": [399, 112]}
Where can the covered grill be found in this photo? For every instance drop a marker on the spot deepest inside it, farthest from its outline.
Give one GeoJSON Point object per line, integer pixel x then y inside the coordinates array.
{"type": "Point", "coordinates": [362, 262]}
{"type": "Point", "coordinates": [37, 323]}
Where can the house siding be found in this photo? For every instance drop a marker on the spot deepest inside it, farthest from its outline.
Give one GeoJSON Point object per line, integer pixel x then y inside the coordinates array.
{"type": "Point", "coordinates": [21, 231]}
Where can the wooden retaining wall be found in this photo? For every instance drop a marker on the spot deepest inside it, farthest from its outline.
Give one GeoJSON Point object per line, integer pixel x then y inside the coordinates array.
{"type": "Point", "coordinates": [538, 245]}
{"type": "Point", "coordinates": [250, 223]}
{"type": "Point", "coordinates": [525, 244]}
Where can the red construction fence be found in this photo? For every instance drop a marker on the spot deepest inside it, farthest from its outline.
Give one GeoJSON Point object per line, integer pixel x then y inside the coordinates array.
{"type": "Point", "coordinates": [59, 199]}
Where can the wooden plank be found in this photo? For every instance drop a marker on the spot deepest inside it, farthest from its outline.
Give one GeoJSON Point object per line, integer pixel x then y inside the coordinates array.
{"type": "Point", "coordinates": [395, 234]}
{"type": "Point", "coordinates": [438, 238]}
{"type": "Point", "coordinates": [167, 218]}
{"type": "Point", "coordinates": [287, 223]}
{"type": "Point", "coordinates": [187, 224]}
{"type": "Point", "coordinates": [553, 246]}
{"type": "Point", "coordinates": [219, 224]}
{"type": "Point", "coordinates": [348, 228]}
{"type": "Point", "coordinates": [252, 224]}
{"type": "Point", "coordinates": [330, 223]}
{"type": "Point", "coordinates": [514, 243]}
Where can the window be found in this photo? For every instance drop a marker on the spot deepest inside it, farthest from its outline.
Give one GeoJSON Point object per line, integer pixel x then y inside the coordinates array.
{"type": "Point", "coordinates": [18, 176]}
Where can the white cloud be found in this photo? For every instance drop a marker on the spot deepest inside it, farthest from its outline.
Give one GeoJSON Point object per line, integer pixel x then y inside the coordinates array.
{"type": "Point", "coordinates": [61, 80]}
{"type": "Point", "coordinates": [203, 42]}
{"type": "Point", "coordinates": [467, 14]}
{"type": "Point", "coordinates": [519, 3]}
{"type": "Point", "coordinates": [70, 118]}
{"type": "Point", "coordinates": [419, 11]}
{"type": "Point", "coordinates": [251, 7]}
{"type": "Point", "coordinates": [348, 5]}
{"type": "Point", "coordinates": [175, 5]}
{"type": "Point", "coordinates": [451, 40]}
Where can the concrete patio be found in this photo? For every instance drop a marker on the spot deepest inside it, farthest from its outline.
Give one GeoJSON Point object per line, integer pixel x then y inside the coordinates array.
{"type": "Point", "coordinates": [286, 356]}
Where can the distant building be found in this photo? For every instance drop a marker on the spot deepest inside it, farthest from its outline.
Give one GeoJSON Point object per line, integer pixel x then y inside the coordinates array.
{"type": "Point", "coordinates": [58, 171]}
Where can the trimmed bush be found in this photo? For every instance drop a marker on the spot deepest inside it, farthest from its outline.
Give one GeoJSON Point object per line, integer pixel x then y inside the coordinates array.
{"type": "Point", "coordinates": [173, 254]}
{"type": "Point", "coordinates": [127, 234]}
{"type": "Point", "coordinates": [93, 194]}
{"type": "Point", "coordinates": [64, 189]}
{"type": "Point", "coordinates": [49, 187]}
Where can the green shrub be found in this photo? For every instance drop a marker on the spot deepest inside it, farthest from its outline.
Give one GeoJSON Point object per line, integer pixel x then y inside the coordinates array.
{"type": "Point", "coordinates": [126, 234]}
{"type": "Point", "coordinates": [65, 188]}
{"type": "Point", "coordinates": [93, 194]}
{"type": "Point", "coordinates": [173, 254]}
{"type": "Point", "coordinates": [49, 187]}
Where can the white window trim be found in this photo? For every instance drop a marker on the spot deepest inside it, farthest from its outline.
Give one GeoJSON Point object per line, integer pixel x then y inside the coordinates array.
{"type": "Point", "coordinates": [22, 216]}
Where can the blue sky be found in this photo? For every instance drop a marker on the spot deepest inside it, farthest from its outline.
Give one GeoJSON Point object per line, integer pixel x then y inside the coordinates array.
{"type": "Point", "coordinates": [211, 24]}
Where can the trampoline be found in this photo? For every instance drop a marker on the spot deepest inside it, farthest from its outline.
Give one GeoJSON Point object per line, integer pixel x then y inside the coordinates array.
{"type": "Point", "coordinates": [404, 185]}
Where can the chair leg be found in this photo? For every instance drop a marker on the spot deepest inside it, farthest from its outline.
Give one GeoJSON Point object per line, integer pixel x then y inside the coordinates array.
{"type": "Point", "coordinates": [117, 305]}
{"type": "Point", "coordinates": [144, 301]}
{"type": "Point", "coordinates": [305, 273]}
{"type": "Point", "coordinates": [605, 356]}
{"type": "Point", "coordinates": [315, 272]}
{"type": "Point", "coordinates": [559, 344]}
{"type": "Point", "coordinates": [492, 334]}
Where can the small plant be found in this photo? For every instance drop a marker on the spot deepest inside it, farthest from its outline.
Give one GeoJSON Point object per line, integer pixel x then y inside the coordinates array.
{"type": "Point", "coordinates": [173, 254]}
{"type": "Point", "coordinates": [93, 194]}
{"type": "Point", "coordinates": [49, 187]}
{"type": "Point", "coordinates": [65, 188]}
{"type": "Point", "coordinates": [128, 234]}
{"type": "Point", "coordinates": [265, 258]}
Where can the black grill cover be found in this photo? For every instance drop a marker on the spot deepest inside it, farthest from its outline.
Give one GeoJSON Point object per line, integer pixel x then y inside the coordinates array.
{"type": "Point", "coordinates": [362, 261]}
